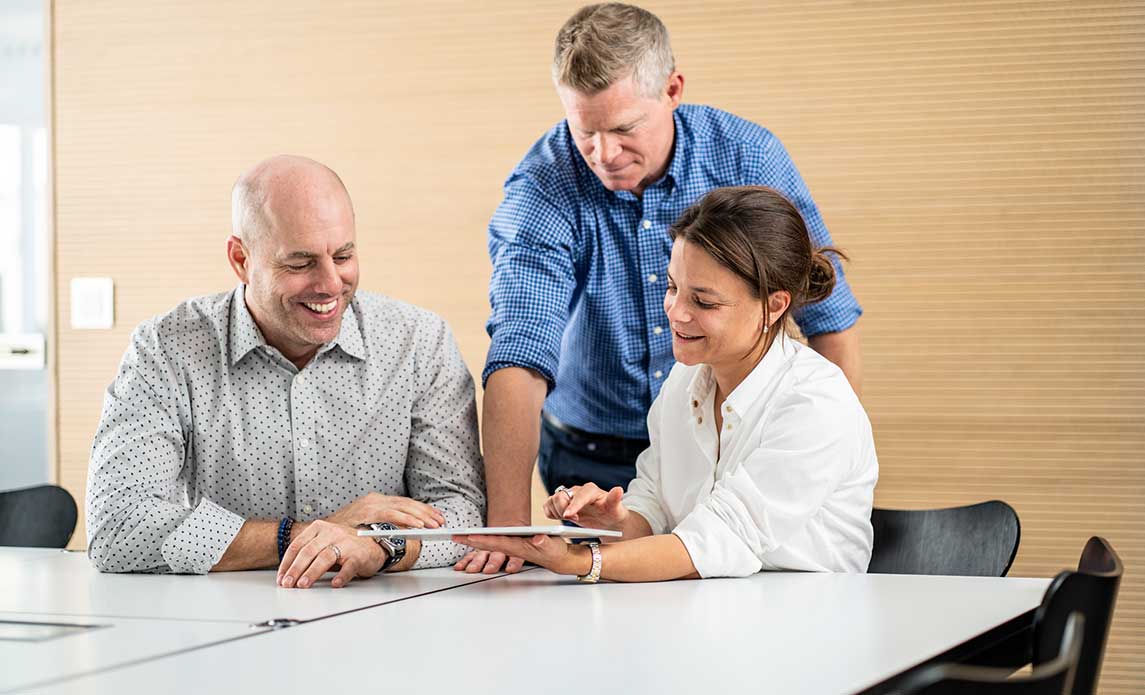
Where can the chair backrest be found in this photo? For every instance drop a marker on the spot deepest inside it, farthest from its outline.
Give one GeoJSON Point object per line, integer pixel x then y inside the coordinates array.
{"type": "Point", "coordinates": [1055, 677]}
{"type": "Point", "coordinates": [1092, 591]}
{"type": "Point", "coordinates": [40, 517]}
{"type": "Point", "coordinates": [979, 540]}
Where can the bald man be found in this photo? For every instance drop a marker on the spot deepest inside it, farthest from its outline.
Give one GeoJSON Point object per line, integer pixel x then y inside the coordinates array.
{"type": "Point", "coordinates": [261, 427]}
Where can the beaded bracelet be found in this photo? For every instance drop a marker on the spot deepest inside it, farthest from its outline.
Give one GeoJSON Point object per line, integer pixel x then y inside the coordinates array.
{"type": "Point", "coordinates": [284, 528]}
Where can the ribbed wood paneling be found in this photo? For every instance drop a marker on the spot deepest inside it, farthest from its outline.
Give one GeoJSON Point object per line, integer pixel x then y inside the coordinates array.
{"type": "Point", "coordinates": [982, 161]}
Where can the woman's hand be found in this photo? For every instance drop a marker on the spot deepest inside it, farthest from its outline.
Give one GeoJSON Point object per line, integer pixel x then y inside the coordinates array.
{"type": "Point", "coordinates": [312, 553]}
{"type": "Point", "coordinates": [548, 552]}
{"type": "Point", "coordinates": [587, 505]}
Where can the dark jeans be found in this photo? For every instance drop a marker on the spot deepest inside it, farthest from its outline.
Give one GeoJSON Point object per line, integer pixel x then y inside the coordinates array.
{"type": "Point", "coordinates": [571, 457]}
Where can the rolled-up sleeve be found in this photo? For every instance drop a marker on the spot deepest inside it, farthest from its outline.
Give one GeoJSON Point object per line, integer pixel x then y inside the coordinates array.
{"type": "Point", "coordinates": [643, 493]}
{"type": "Point", "coordinates": [136, 460]}
{"type": "Point", "coordinates": [840, 310]}
{"type": "Point", "coordinates": [777, 494]}
{"type": "Point", "coordinates": [444, 467]}
{"type": "Point", "coordinates": [531, 246]}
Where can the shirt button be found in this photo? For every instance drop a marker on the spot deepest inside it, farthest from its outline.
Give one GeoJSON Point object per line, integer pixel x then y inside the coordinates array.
{"type": "Point", "coordinates": [728, 408]}
{"type": "Point", "coordinates": [657, 373]}
{"type": "Point", "coordinates": [728, 426]}
{"type": "Point", "coordinates": [695, 404]}
{"type": "Point", "coordinates": [648, 224]}
{"type": "Point", "coordinates": [591, 446]}
{"type": "Point", "coordinates": [307, 509]}
{"type": "Point", "coordinates": [657, 330]}
{"type": "Point", "coordinates": [304, 442]}
{"type": "Point", "coordinates": [699, 421]}
{"type": "Point", "coordinates": [652, 278]}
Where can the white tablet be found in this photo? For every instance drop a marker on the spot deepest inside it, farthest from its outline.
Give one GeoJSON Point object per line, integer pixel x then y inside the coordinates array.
{"type": "Point", "coordinates": [447, 533]}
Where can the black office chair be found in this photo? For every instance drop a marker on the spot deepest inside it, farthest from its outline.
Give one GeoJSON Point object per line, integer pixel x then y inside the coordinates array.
{"type": "Point", "coordinates": [39, 517]}
{"type": "Point", "coordinates": [1054, 677]}
{"type": "Point", "coordinates": [1091, 590]}
{"type": "Point", "coordinates": [979, 540]}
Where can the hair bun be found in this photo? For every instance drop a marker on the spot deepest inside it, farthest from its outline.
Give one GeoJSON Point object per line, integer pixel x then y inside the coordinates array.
{"type": "Point", "coordinates": [821, 282]}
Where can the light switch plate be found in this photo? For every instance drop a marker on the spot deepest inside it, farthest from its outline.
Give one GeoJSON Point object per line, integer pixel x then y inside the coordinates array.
{"type": "Point", "coordinates": [93, 303]}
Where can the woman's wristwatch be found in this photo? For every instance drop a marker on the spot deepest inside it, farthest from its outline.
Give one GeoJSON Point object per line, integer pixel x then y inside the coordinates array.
{"type": "Point", "coordinates": [593, 575]}
{"type": "Point", "coordinates": [395, 547]}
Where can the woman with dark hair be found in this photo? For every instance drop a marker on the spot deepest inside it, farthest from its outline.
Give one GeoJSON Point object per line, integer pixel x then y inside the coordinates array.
{"type": "Point", "coordinates": [761, 456]}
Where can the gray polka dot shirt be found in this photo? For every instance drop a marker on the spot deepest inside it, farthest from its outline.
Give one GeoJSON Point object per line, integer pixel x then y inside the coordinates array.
{"type": "Point", "coordinates": [206, 426]}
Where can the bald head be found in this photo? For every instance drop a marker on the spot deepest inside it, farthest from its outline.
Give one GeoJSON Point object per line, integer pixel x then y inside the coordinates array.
{"type": "Point", "coordinates": [293, 249]}
{"type": "Point", "coordinates": [286, 191]}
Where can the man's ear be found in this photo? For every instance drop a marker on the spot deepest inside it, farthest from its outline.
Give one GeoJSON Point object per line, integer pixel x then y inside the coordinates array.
{"type": "Point", "coordinates": [674, 89]}
{"type": "Point", "coordinates": [238, 257]}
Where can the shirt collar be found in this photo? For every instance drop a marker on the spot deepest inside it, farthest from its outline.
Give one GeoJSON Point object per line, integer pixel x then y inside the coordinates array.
{"type": "Point", "coordinates": [245, 335]}
{"type": "Point", "coordinates": [748, 392]}
{"type": "Point", "coordinates": [349, 338]}
{"type": "Point", "coordinates": [676, 166]}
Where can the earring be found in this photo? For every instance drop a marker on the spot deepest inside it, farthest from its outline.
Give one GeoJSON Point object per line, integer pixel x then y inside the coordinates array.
{"type": "Point", "coordinates": [765, 328]}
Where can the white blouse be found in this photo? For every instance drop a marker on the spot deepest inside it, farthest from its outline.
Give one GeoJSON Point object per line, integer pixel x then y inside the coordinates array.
{"type": "Point", "coordinates": [789, 481]}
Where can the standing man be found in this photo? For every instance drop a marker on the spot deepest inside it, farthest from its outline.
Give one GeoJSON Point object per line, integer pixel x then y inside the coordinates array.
{"type": "Point", "coordinates": [579, 245]}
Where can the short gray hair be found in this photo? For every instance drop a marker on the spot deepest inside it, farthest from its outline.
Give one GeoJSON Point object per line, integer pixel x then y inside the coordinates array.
{"type": "Point", "coordinates": [602, 44]}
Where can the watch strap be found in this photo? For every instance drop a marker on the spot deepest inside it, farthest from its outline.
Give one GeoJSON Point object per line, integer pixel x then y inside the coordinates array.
{"type": "Point", "coordinates": [593, 575]}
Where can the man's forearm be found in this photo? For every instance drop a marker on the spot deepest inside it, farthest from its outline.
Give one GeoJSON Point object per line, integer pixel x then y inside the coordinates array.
{"type": "Point", "coordinates": [511, 432]}
{"type": "Point", "coordinates": [254, 548]}
{"type": "Point", "coordinates": [413, 552]}
{"type": "Point", "coordinates": [843, 349]}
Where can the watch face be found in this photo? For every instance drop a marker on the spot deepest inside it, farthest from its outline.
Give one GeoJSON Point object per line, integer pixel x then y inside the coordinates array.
{"type": "Point", "coordinates": [397, 544]}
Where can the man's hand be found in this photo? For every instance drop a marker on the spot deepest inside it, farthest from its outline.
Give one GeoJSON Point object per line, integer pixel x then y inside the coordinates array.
{"type": "Point", "coordinates": [376, 508]}
{"type": "Point", "coordinates": [511, 431]}
{"type": "Point", "coordinates": [312, 554]}
{"type": "Point", "coordinates": [588, 505]}
{"type": "Point", "coordinates": [491, 562]}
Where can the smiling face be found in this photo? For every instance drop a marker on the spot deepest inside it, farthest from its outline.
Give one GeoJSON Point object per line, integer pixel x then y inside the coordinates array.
{"type": "Point", "coordinates": [625, 137]}
{"type": "Point", "coordinates": [714, 316]}
{"type": "Point", "coordinates": [300, 267]}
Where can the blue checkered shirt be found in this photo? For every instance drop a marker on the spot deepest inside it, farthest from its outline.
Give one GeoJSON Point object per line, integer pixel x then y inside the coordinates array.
{"type": "Point", "coordinates": [579, 272]}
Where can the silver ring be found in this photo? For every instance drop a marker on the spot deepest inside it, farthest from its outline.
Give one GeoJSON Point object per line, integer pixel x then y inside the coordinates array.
{"type": "Point", "coordinates": [562, 488]}
{"type": "Point", "coordinates": [337, 552]}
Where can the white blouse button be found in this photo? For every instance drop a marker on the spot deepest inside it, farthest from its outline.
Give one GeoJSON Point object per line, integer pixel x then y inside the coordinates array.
{"type": "Point", "coordinates": [648, 224]}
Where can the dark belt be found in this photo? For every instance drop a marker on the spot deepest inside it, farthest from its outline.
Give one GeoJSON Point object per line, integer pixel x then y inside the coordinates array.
{"type": "Point", "coordinates": [606, 441]}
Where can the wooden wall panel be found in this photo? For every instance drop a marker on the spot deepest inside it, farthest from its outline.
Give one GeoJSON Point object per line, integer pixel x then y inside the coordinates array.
{"type": "Point", "coordinates": [982, 161]}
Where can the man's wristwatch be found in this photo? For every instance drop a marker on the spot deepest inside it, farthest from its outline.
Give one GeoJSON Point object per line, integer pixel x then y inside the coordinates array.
{"type": "Point", "coordinates": [395, 547]}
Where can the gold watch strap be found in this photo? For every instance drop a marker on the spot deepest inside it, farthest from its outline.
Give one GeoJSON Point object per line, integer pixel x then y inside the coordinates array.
{"type": "Point", "coordinates": [593, 575]}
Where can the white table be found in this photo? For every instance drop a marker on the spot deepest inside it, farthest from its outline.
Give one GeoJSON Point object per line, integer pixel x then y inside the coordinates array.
{"type": "Point", "coordinates": [34, 580]}
{"type": "Point", "coordinates": [110, 643]}
{"type": "Point", "coordinates": [773, 632]}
